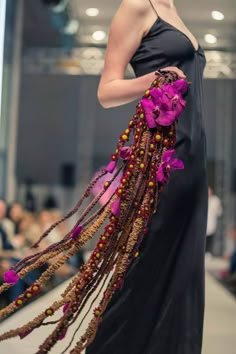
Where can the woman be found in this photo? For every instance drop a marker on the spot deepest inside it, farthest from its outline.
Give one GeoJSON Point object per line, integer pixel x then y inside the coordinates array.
{"type": "Point", "coordinates": [159, 309]}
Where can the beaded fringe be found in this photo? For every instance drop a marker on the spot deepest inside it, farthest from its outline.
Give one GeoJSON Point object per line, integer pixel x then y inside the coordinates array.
{"type": "Point", "coordinates": [122, 223]}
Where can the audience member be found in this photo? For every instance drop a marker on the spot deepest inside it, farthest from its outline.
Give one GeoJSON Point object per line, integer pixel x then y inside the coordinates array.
{"type": "Point", "coordinates": [214, 212]}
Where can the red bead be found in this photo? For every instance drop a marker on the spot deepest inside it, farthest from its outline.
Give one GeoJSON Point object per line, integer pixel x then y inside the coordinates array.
{"type": "Point", "coordinates": [35, 288]}
{"type": "Point", "coordinates": [132, 157]}
{"type": "Point", "coordinates": [142, 166]}
{"type": "Point", "coordinates": [119, 191]}
{"type": "Point", "coordinates": [147, 93]}
{"type": "Point", "coordinates": [49, 311]}
{"type": "Point", "coordinates": [113, 157]}
{"type": "Point", "coordinates": [123, 180]}
{"type": "Point", "coordinates": [19, 301]}
{"type": "Point", "coordinates": [106, 184]}
{"type": "Point", "coordinates": [128, 174]}
{"type": "Point", "coordinates": [141, 116]}
{"type": "Point", "coordinates": [157, 137]}
{"type": "Point", "coordinates": [124, 137]}
{"type": "Point", "coordinates": [110, 228]}
{"type": "Point", "coordinates": [28, 295]}
{"type": "Point", "coordinates": [130, 166]}
{"type": "Point", "coordinates": [97, 311]}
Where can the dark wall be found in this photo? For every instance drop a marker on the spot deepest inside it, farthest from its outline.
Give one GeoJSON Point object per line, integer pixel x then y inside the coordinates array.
{"type": "Point", "coordinates": [47, 126]}
{"type": "Point", "coordinates": [50, 120]}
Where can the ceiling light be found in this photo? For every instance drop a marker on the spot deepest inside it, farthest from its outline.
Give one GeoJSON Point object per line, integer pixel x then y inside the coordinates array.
{"type": "Point", "coordinates": [92, 11]}
{"type": "Point", "coordinates": [99, 35]}
{"type": "Point", "coordinates": [210, 38]}
{"type": "Point", "coordinates": [217, 15]}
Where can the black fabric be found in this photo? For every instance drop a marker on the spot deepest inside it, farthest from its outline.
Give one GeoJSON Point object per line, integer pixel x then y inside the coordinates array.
{"type": "Point", "coordinates": [209, 243]}
{"type": "Point", "coordinates": [160, 308]}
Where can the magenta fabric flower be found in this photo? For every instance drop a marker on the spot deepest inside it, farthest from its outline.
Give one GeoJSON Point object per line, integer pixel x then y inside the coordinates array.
{"type": "Point", "coordinates": [11, 277]}
{"type": "Point", "coordinates": [165, 105]}
{"type": "Point", "coordinates": [115, 207]}
{"type": "Point", "coordinates": [168, 164]}
{"type": "Point", "coordinates": [125, 152]}
{"type": "Point", "coordinates": [111, 166]}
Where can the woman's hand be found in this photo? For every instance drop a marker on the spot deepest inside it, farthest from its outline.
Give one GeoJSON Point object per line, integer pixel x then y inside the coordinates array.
{"type": "Point", "coordinates": [179, 72]}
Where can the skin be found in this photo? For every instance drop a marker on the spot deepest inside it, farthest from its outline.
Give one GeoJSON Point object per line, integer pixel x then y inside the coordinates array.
{"type": "Point", "coordinates": [5, 253]}
{"type": "Point", "coordinates": [130, 24]}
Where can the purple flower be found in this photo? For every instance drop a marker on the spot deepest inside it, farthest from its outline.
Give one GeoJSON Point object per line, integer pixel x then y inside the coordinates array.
{"type": "Point", "coordinates": [176, 101]}
{"type": "Point", "coordinates": [165, 105]}
{"type": "Point", "coordinates": [167, 165]}
{"type": "Point", "coordinates": [76, 232]}
{"type": "Point", "coordinates": [11, 277]}
{"type": "Point", "coordinates": [115, 207]}
{"type": "Point", "coordinates": [111, 166]}
{"type": "Point", "coordinates": [148, 107]}
{"type": "Point", "coordinates": [125, 152]}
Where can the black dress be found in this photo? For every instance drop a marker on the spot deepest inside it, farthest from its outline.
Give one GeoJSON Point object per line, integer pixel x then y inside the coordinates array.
{"type": "Point", "coordinates": [160, 308]}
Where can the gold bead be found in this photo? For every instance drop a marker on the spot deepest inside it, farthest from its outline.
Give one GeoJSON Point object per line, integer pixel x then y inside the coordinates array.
{"type": "Point", "coordinates": [124, 137]}
{"type": "Point", "coordinates": [157, 137]}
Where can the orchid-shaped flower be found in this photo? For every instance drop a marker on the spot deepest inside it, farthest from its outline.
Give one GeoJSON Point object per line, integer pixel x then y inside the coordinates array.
{"type": "Point", "coordinates": [181, 86]}
{"type": "Point", "coordinates": [168, 164]}
{"type": "Point", "coordinates": [176, 101]}
{"type": "Point", "coordinates": [165, 104]}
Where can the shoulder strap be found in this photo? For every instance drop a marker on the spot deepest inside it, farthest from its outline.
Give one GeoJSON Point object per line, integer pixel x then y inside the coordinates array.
{"type": "Point", "coordinates": [153, 7]}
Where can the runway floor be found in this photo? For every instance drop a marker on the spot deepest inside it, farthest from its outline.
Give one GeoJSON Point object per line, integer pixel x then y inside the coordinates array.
{"type": "Point", "coordinates": [219, 332]}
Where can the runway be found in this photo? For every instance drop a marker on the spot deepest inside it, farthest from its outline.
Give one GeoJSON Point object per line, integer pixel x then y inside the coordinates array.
{"type": "Point", "coordinates": [219, 329]}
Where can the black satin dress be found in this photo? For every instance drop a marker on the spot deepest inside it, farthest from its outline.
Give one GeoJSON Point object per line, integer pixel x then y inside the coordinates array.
{"type": "Point", "coordinates": [160, 308]}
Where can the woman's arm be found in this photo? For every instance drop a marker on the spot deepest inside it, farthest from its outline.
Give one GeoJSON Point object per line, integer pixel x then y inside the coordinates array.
{"type": "Point", "coordinates": [126, 31]}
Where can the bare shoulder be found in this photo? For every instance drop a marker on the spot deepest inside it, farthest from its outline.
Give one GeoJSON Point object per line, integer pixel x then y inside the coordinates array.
{"type": "Point", "coordinates": [140, 7]}
{"type": "Point", "coordinates": [134, 13]}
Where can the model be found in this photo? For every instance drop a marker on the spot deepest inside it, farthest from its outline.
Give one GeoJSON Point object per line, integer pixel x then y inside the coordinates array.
{"type": "Point", "coordinates": [148, 265]}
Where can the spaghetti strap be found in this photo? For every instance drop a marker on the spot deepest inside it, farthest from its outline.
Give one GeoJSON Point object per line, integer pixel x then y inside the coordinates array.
{"type": "Point", "coordinates": [153, 8]}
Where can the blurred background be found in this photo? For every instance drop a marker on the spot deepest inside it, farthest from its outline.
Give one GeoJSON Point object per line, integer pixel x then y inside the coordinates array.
{"type": "Point", "coordinates": [54, 134]}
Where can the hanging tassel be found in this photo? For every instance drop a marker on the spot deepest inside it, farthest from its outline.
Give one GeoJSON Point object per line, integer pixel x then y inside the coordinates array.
{"type": "Point", "coordinates": [122, 220]}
